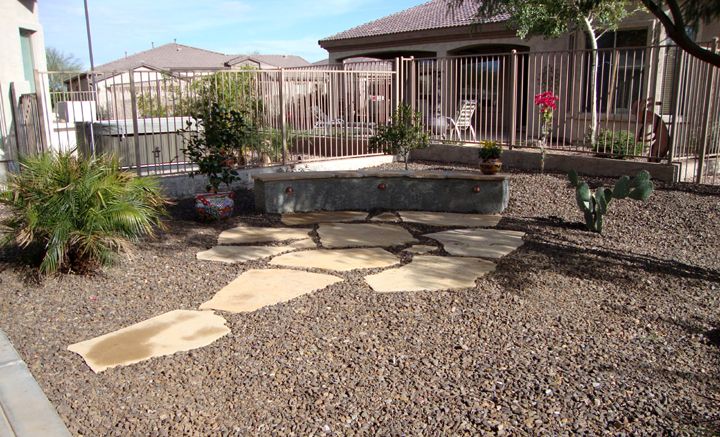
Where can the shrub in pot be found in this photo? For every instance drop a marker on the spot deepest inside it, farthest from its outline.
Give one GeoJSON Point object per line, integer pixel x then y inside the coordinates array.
{"type": "Point", "coordinates": [489, 154]}
{"type": "Point", "coordinates": [216, 145]}
{"type": "Point", "coordinates": [78, 212]}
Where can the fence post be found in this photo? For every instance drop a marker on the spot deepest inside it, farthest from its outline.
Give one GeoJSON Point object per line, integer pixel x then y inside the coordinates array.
{"type": "Point", "coordinates": [398, 80]}
{"type": "Point", "coordinates": [679, 65]}
{"type": "Point", "coordinates": [712, 70]}
{"type": "Point", "coordinates": [283, 120]}
{"type": "Point", "coordinates": [136, 127]}
{"type": "Point", "coordinates": [513, 101]}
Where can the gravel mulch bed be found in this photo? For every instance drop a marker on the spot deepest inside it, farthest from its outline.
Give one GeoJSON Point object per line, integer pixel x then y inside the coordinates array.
{"type": "Point", "coordinates": [574, 333]}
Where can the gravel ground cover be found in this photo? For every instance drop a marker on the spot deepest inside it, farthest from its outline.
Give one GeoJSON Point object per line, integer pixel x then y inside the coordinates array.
{"type": "Point", "coordinates": [574, 333]}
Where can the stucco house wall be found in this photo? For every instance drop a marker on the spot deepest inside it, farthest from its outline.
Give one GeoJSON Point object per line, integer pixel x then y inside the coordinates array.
{"type": "Point", "coordinates": [16, 15]}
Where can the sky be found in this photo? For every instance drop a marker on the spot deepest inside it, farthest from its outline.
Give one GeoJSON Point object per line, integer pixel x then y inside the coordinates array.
{"type": "Point", "coordinates": [290, 27]}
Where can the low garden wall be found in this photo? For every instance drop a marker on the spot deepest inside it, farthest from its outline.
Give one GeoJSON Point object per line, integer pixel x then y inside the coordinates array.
{"type": "Point", "coordinates": [388, 190]}
{"type": "Point", "coordinates": [554, 162]}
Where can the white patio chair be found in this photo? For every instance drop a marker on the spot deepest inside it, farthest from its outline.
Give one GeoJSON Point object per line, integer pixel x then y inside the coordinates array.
{"type": "Point", "coordinates": [323, 121]}
{"type": "Point", "coordinates": [463, 120]}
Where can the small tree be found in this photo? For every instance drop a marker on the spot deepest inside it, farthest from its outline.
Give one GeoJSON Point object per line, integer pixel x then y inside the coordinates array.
{"type": "Point", "coordinates": [554, 18]}
{"type": "Point", "coordinates": [404, 133]}
{"type": "Point", "coordinates": [217, 143]}
{"type": "Point", "coordinates": [59, 61]}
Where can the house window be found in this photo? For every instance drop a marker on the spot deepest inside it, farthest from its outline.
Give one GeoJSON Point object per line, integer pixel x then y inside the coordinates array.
{"type": "Point", "coordinates": [27, 57]}
{"type": "Point", "coordinates": [621, 58]}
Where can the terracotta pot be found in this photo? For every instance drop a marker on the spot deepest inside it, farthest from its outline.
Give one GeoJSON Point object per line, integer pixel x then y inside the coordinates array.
{"type": "Point", "coordinates": [490, 166]}
{"type": "Point", "coordinates": [214, 206]}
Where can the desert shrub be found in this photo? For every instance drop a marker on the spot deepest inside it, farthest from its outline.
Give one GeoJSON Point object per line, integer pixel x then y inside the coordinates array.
{"type": "Point", "coordinates": [217, 141]}
{"type": "Point", "coordinates": [403, 134]}
{"type": "Point", "coordinates": [80, 211]}
{"type": "Point", "coordinates": [617, 144]}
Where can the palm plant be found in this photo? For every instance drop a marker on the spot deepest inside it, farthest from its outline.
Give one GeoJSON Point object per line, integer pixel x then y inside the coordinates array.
{"type": "Point", "coordinates": [81, 211]}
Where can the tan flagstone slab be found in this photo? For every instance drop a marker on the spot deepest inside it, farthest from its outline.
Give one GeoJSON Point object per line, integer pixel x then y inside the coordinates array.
{"type": "Point", "coordinates": [238, 254]}
{"type": "Point", "coordinates": [255, 289]}
{"type": "Point", "coordinates": [386, 217]}
{"type": "Point", "coordinates": [486, 243]}
{"type": "Point", "coordinates": [450, 219]}
{"type": "Point", "coordinates": [341, 260]}
{"type": "Point", "coordinates": [303, 244]}
{"type": "Point", "coordinates": [310, 218]}
{"type": "Point", "coordinates": [339, 235]}
{"type": "Point", "coordinates": [166, 334]}
{"type": "Point", "coordinates": [420, 249]}
{"type": "Point", "coordinates": [247, 234]}
{"type": "Point", "coordinates": [431, 273]}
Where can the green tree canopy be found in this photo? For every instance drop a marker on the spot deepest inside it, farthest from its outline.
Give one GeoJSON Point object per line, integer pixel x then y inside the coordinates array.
{"type": "Point", "coordinates": [679, 17]}
{"type": "Point", "coordinates": [61, 61]}
{"type": "Point", "coordinates": [58, 61]}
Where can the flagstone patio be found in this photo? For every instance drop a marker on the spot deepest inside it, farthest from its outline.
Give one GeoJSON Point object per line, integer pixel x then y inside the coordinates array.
{"type": "Point", "coordinates": [346, 247]}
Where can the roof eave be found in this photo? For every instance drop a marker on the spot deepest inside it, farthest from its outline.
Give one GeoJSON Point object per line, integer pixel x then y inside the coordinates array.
{"type": "Point", "coordinates": [441, 34]}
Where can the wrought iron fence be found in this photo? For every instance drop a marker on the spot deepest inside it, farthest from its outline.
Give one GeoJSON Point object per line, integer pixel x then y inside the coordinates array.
{"type": "Point", "coordinates": [141, 116]}
{"type": "Point", "coordinates": [652, 103]}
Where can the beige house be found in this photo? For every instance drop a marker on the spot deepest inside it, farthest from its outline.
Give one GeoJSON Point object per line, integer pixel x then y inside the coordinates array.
{"type": "Point", "coordinates": [458, 58]}
{"type": "Point", "coordinates": [154, 71]}
{"type": "Point", "coordinates": [23, 53]}
{"type": "Point", "coordinates": [432, 30]}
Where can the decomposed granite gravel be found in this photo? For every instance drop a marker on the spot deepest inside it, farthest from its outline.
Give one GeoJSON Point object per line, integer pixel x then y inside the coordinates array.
{"type": "Point", "coordinates": [573, 333]}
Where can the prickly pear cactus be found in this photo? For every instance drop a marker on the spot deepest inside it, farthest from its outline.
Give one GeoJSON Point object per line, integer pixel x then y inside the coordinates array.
{"type": "Point", "coordinates": [594, 205]}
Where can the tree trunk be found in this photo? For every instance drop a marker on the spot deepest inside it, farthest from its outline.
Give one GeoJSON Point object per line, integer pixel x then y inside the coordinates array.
{"type": "Point", "coordinates": [593, 81]}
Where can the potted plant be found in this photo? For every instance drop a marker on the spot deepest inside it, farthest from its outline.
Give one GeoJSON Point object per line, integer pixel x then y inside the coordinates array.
{"type": "Point", "coordinates": [490, 155]}
{"type": "Point", "coordinates": [403, 134]}
{"type": "Point", "coordinates": [215, 144]}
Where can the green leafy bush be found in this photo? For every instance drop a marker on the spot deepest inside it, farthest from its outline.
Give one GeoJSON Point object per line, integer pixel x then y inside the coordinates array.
{"type": "Point", "coordinates": [617, 144]}
{"type": "Point", "coordinates": [404, 133]}
{"type": "Point", "coordinates": [217, 143]}
{"type": "Point", "coordinates": [81, 212]}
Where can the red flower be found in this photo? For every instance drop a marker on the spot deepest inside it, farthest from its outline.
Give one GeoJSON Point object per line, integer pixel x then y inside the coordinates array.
{"type": "Point", "coordinates": [547, 101]}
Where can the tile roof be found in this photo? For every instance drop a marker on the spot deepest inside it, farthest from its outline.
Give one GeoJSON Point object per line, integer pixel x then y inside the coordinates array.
{"type": "Point", "coordinates": [181, 57]}
{"type": "Point", "coordinates": [280, 61]}
{"type": "Point", "coordinates": [168, 56]}
{"type": "Point", "coordinates": [431, 15]}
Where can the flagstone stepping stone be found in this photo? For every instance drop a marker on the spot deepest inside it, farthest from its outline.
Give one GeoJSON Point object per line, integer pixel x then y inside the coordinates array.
{"type": "Point", "coordinates": [303, 244]}
{"type": "Point", "coordinates": [431, 273]}
{"type": "Point", "coordinates": [239, 254]}
{"type": "Point", "coordinates": [166, 334]}
{"type": "Point", "coordinates": [341, 260]}
{"type": "Point", "coordinates": [247, 235]}
{"type": "Point", "coordinates": [449, 219]}
{"type": "Point", "coordinates": [386, 217]}
{"type": "Point", "coordinates": [339, 235]}
{"type": "Point", "coordinates": [420, 249]}
{"type": "Point", "coordinates": [486, 243]}
{"type": "Point", "coordinates": [255, 289]}
{"type": "Point", "coordinates": [310, 218]}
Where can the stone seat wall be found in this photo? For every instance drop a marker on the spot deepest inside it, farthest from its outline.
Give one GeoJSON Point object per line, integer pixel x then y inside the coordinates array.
{"type": "Point", "coordinates": [448, 191]}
